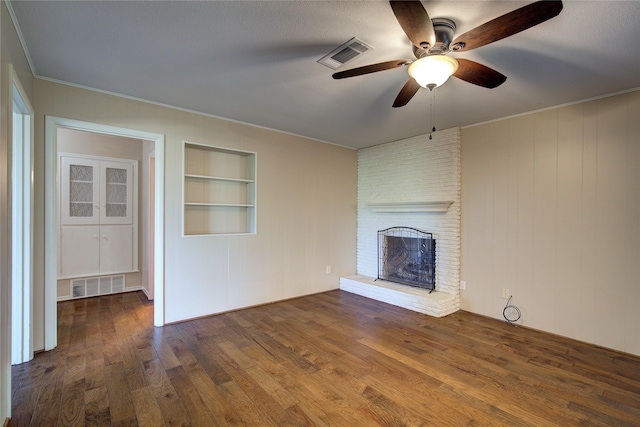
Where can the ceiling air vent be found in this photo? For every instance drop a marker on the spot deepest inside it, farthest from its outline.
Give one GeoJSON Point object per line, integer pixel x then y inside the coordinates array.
{"type": "Point", "coordinates": [345, 53]}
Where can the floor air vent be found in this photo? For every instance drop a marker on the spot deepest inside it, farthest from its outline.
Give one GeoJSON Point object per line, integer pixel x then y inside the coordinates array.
{"type": "Point", "coordinates": [345, 53]}
{"type": "Point", "coordinates": [93, 286]}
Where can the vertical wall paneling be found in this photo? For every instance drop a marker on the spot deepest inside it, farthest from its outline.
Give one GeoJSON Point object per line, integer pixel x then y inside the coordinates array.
{"type": "Point", "coordinates": [512, 183]}
{"type": "Point", "coordinates": [545, 202]}
{"type": "Point", "coordinates": [585, 293]}
{"type": "Point", "coordinates": [569, 217]}
{"type": "Point", "coordinates": [612, 225]}
{"type": "Point", "coordinates": [560, 189]}
{"type": "Point", "coordinates": [632, 291]}
{"type": "Point", "coordinates": [500, 205]}
{"type": "Point", "coordinates": [523, 287]}
{"type": "Point", "coordinates": [474, 190]}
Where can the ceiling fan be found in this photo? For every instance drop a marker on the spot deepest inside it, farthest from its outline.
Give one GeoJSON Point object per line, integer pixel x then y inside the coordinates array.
{"type": "Point", "coordinates": [433, 39]}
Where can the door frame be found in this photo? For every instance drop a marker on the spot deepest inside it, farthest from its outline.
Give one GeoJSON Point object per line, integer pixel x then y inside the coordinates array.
{"type": "Point", "coordinates": [151, 163]}
{"type": "Point", "coordinates": [22, 202]}
{"type": "Point", "coordinates": [52, 124]}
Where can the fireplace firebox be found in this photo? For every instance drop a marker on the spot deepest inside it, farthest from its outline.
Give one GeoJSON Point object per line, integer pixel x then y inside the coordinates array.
{"type": "Point", "coordinates": [407, 256]}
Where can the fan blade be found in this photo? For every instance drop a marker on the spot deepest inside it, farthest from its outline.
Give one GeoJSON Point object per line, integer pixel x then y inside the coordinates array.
{"type": "Point", "coordinates": [406, 93]}
{"type": "Point", "coordinates": [415, 21]}
{"type": "Point", "coordinates": [373, 68]}
{"type": "Point", "coordinates": [507, 25]}
{"type": "Point", "coordinates": [478, 74]}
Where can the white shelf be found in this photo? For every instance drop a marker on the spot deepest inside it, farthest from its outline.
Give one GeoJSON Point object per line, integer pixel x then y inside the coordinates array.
{"type": "Point", "coordinates": [219, 191]}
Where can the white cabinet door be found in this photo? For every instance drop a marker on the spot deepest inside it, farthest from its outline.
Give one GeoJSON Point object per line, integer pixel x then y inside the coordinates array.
{"type": "Point", "coordinates": [96, 250]}
{"type": "Point", "coordinates": [81, 248]}
{"type": "Point", "coordinates": [116, 249]}
{"type": "Point", "coordinates": [98, 232]}
{"type": "Point", "coordinates": [116, 185]}
{"type": "Point", "coordinates": [96, 191]}
{"type": "Point", "coordinates": [80, 191]}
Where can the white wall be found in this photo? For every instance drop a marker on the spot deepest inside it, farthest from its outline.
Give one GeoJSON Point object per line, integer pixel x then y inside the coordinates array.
{"type": "Point", "coordinates": [412, 170]}
{"type": "Point", "coordinates": [551, 211]}
{"type": "Point", "coordinates": [306, 211]}
{"type": "Point", "coordinates": [97, 144]}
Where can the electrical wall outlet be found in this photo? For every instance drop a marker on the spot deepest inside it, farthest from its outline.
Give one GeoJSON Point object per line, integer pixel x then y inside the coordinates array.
{"type": "Point", "coordinates": [505, 293]}
{"type": "Point", "coordinates": [463, 285]}
{"type": "Point", "coordinates": [328, 269]}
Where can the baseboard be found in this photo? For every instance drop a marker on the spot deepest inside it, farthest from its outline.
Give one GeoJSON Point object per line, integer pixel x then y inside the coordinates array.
{"type": "Point", "coordinates": [248, 306]}
{"type": "Point", "coordinates": [6, 422]}
{"type": "Point", "coordinates": [132, 289]}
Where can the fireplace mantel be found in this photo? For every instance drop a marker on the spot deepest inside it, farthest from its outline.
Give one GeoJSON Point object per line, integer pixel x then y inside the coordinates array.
{"type": "Point", "coordinates": [411, 207]}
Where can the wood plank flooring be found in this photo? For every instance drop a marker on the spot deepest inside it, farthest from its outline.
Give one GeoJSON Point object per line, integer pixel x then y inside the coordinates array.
{"type": "Point", "coordinates": [332, 359]}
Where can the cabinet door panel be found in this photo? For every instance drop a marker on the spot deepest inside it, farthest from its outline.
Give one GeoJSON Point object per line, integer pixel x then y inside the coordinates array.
{"type": "Point", "coordinates": [80, 191]}
{"type": "Point", "coordinates": [116, 192]}
{"type": "Point", "coordinates": [81, 248]}
{"type": "Point", "coordinates": [97, 192]}
{"type": "Point", "coordinates": [116, 249]}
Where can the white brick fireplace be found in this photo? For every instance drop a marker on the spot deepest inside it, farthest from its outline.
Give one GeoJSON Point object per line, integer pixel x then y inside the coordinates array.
{"type": "Point", "coordinates": [413, 183]}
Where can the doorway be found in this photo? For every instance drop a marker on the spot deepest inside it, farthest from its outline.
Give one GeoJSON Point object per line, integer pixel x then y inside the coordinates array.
{"type": "Point", "coordinates": [51, 215]}
{"type": "Point", "coordinates": [21, 225]}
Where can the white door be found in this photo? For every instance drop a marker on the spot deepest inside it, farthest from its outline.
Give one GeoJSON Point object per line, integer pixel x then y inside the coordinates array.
{"type": "Point", "coordinates": [81, 248]}
{"type": "Point", "coordinates": [116, 249]}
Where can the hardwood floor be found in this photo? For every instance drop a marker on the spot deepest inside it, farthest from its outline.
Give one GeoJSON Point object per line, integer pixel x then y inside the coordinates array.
{"type": "Point", "coordinates": [332, 359]}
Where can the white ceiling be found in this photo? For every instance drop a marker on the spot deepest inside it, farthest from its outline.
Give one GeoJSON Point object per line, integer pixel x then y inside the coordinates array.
{"type": "Point", "coordinates": [255, 61]}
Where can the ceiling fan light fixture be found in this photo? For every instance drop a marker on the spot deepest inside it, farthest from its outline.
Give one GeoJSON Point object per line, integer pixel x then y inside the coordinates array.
{"type": "Point", "coordinates": [432, 71]}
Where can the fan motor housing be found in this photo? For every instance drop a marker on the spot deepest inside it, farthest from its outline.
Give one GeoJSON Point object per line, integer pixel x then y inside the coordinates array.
{"type": "Point", "coordinates": [444, 29]}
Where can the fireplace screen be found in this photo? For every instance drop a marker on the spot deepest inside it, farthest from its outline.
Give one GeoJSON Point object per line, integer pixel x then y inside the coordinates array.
{"type": "Point", "coordinates": [407, 256]}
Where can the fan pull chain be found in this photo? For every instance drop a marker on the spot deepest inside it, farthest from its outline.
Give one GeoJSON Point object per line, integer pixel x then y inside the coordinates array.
{"type": "Point", "coordinates": [432, 110]}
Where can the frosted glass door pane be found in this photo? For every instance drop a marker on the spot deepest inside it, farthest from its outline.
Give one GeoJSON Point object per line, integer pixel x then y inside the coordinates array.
{"type": "Point", "coordinates": [81, 191]}
{"type": "Point", "coordinates": [116, 193]}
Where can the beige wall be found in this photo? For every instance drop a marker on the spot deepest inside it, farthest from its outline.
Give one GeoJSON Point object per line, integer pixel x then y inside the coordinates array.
{"type": "Point", "coordinates": [10, 54]}
{"type": "Point", "coordinates": [96, 144]}
{"type": "Point", "coordinates": [551, 211]}
{"type": "Point", "coordinates": [306, 206]}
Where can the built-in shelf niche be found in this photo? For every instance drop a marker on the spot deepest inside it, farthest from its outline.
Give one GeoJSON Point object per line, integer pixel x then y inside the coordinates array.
{"type": "Point", "coordinates": [411, 207]}
{"type": "Point", "coordinates": [219, 190]}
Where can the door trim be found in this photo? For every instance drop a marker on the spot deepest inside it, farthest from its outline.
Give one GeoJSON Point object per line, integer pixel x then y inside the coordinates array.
{"type": "Point", "coordinates": [22, 209]}
{"type": "Point", "coordinates": [52, 124]}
